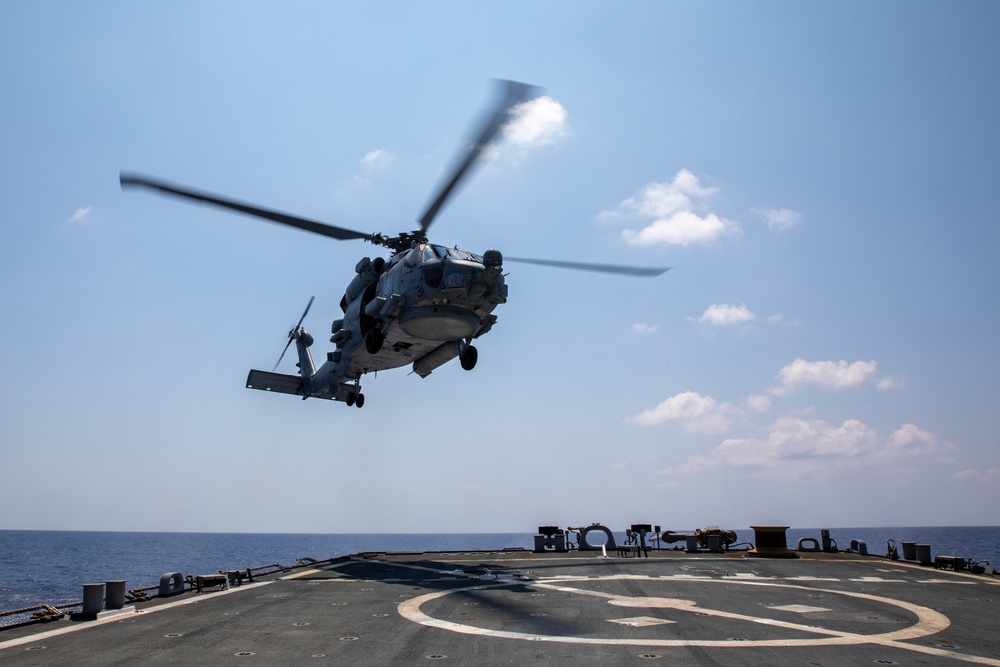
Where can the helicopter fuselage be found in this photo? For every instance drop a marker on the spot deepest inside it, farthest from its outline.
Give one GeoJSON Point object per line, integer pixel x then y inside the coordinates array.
{"type": "Point", "coordinates": [423, 306]}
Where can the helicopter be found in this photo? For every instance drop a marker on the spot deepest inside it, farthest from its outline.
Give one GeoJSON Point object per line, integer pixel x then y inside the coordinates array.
{"type": "Point", "coordinates": [423, 306]}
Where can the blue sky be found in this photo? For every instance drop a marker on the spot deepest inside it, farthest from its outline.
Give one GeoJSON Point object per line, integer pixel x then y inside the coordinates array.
{"type": "Point", "coordinates": [820, 176]}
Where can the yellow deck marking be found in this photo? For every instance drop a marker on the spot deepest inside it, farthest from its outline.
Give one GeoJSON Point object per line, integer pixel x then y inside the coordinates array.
{"type": "Point", "coordinates": [296, 575]}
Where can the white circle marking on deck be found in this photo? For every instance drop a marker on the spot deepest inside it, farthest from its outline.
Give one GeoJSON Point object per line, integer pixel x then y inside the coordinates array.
{"type": "Point", "coordinates": [929, 622]}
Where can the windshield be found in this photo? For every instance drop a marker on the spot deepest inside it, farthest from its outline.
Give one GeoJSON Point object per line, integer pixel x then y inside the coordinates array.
{"type": "Point", "coordinates": [431, 253]}
{"type": "Point", "coordinates": [434, 253]}
{"type": "Point", "coordinates": [463, 254]}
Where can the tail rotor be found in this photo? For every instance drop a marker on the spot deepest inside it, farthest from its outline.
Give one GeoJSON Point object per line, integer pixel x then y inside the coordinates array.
{"type": "Point", "coordinates": [295, 332]}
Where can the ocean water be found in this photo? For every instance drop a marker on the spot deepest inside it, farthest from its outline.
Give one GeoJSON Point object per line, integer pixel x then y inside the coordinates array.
{"type": "Point", "coordinates": [51, 567]}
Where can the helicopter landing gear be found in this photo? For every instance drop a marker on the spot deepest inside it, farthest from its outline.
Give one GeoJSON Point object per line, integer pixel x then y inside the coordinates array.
{"type": "Point", "coordinates": [355, 397]}
{"type": "Point", "coordinates": [374, 340]}
{"type": "Point", "coordinates": [469, 357]}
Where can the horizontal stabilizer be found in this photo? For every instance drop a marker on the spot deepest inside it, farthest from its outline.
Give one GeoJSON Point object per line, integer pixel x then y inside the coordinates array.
{"type": "Point", "coordinates": [276, 382]}
{"type": "Point", "coordinates": [280, 383]}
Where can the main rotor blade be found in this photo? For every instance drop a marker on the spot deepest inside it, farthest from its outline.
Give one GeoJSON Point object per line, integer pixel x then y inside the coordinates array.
{"type": "Point", "coordinates": [638, 271]}
{"type": "Point", "coordinates": [513, 93]}
{"type": "Point", "coordinates": [138, 180]}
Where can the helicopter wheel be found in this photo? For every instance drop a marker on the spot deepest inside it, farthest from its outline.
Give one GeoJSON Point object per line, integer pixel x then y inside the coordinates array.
{"type": "Point", "coordinates": [360, 401]}
{"type": "Point", "coordinates": [351, 398]}
{"type": "Point", "coordinates": [469, 358]}
{"type": "Point", "coordinates": [374, 340]}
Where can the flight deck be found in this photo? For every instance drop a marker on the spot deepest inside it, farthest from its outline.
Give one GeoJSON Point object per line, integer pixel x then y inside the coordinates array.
{"type": "Point", "coordinates": [562, 608]}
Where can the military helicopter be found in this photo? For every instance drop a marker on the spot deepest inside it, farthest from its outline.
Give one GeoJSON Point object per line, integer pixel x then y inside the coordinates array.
{"type": "Point", "coordinates": [423, 306]}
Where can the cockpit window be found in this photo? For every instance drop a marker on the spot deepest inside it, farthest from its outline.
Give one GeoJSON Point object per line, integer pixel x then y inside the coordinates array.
{"type": "Point", "coordinates": [433, 268]}
{"type": "Point", "coordinates": [431, 253]}
{"type": "Point", "coordinates": [464, 254]}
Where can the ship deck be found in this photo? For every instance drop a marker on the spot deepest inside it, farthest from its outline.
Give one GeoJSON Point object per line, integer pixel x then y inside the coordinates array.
{"type": "Point", "coordinates": [519, 607]}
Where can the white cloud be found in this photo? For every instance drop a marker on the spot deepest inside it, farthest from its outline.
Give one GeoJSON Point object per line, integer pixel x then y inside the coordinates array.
{"type": "Point", "coordinates": [537, 122]}
{"type": "Point", "coordinates": [758, 403]}
{"type": "Point", "coordinates": [377, 158]}
{"type": "Point", "coordinates": [778, 218]}
{"type": "Point", "coordinates": [797, 448]}
{"type": "Point", "coordinates": [724, 315]}
{"type": "Point", "coordinates": [693, 465]}
{"type": "Point", "coordinates": [983, 476]}
{"type": "Point", "coordinates": [681, 228]}
{"type": "Point", "coordinates": [373, 165]}
{"type": "Point", "coordinates": [888, 382]}
{"type": "Point", "coordinates": [645, 328]}
{"type": "Point", "coordinates": [696, 413]}
{"type": "Point", "coordinates": [80, 214]}
{"type": "Point", "coordinates": [908, 440]}
{"type": "Point", "coordinates": [670, 208]}
{"type": "Point", "coordinates": [831, 374]}
{"type": "Point", "coordinates": [703, 414]}
{"type": "Point", "coordinates": [801, 445]}
{"type": "Point", "coordinates": [778, 318]}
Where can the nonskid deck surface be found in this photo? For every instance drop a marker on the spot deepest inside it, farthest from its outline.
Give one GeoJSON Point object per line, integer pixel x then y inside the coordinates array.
{"type": "Point", "coordinates": [498, 608]}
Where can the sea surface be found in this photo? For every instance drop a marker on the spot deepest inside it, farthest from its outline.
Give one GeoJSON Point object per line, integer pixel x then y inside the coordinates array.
{"type": "Point", "coordinates": [50, 567]}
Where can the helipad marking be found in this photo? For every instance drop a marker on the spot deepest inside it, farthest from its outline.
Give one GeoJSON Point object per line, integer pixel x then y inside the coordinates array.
{"type": "Point", "coordinates": [799, 608]}
{"type": "Point", "coordinates": [303, 573]}
{"type": "Point", "coordinates": [641, 621]}
{"type": "Point", "coordinates": [929, 622]}
{"type": "Point", "coordinates": [652, 602]}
